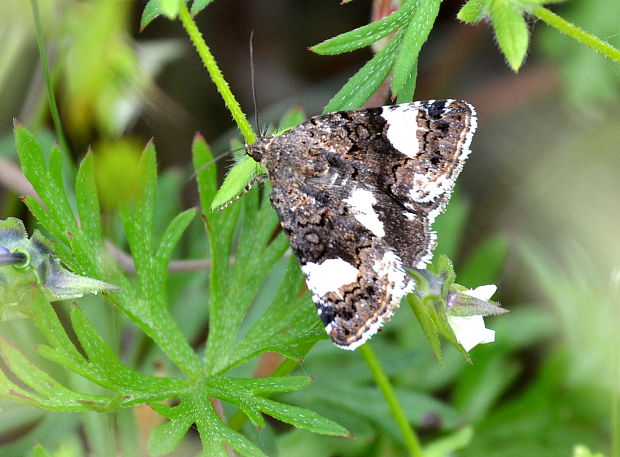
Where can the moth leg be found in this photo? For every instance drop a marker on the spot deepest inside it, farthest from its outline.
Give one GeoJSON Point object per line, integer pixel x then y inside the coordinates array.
{"type": "Point", "coordinates": [256, 179]}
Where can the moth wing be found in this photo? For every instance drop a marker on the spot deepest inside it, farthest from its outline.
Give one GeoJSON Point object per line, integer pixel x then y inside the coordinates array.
{"type": "Point", "coordinates": [413, 151]}
{"type": "Point", "coordinates": [356, 277]}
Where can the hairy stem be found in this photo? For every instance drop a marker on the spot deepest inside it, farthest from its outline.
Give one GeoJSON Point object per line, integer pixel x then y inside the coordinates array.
{"type": "Point", "coordinates": [216, 74]}
{"type": "Point", "coordinates": [413, 444]}
{"type": "Point", "coordinates": [575, 32]}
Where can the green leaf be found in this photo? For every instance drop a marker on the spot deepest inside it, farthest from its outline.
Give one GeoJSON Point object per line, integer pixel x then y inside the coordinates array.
{"type": "Point", "coordinates": [199, 5]}
{"type": "Point", "coordinates": [171, 237]}
{"type": "Point", "coordinates": [155, 8]}
{"type": "Point", "coordinates": [237, 181]}
{"type": "Point", "coordinates": [46, 392]}
{"type": "Point", "coordinates": [290, 320]}
{"type": "Point", "coordinates": [292, 118]}
{"type": "Point", "coordinates": [300, 418]}
{"type": "Point", "coordinates": [360, 87]}
{"type": "Point", "coordinates": [257, 252]}
{"type": "Point", "coordinates": [88, 202]}
{"type": "Point", "coordinates": [510, 31]}
{"type": "Point", "coordinates": [206, 171]}
{"type": "Point", "coordinates": [39, 451]}
{"type": "Point", "coordinates": [414, 37]}
{"type": "Point", "coordinates": [406, 93]}
{"type": "Point", "coordinates": [46, 182]}
{"type": "Point", "coordinates": [166, 437]}
{"type": "Point", "coordinates": [422, 314]}
{"type": "Point", "coordinates": [169, 8]}
{"type": "Point", "coordinates": [367, 34]}
{"type": "Point", "coordinates": [472, 11]}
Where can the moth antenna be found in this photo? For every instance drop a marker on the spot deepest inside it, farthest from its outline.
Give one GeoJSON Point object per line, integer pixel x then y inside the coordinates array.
{"type": "Point", "coordinates": [253, 80]}
{"type": "Point", "coordinates": [214, 160]}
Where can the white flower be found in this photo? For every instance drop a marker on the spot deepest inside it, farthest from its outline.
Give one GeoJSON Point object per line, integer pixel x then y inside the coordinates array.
{"type": "Point", "coordinates": [470, 330]}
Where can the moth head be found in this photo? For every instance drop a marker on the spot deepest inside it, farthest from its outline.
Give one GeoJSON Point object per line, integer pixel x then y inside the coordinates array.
{"type": "Point", "coordinates": [255, 151]}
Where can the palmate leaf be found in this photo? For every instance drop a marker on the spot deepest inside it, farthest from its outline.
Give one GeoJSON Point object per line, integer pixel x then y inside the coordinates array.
{"type": "Point", "coordinates": [234, 287]}
{"type": "Point", "coordinates": [258, 248]}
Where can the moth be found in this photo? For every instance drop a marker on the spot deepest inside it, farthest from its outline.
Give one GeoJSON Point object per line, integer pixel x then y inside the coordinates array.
{"type": "Point", "coordinates": [357, 193]}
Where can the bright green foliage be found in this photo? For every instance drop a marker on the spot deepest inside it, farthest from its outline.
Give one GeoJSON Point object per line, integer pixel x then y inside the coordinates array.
{"type": "Point", "coordinates": [287, 321]}
{"type": "Point", "coordinates": [290, 320]}
{"type": "Point", "coordinates": [428, 303]}
{"type": "Point", "coordinates": [169, 8]}
{"type": "Point", "coordinates": [32, 263]}
{"type": "Point", "coordinates": [412, 24]}
{"type": "Point", "coordinates": [507, 18]}
{"type": "Point", "coordinates": [511, 32]}
{"type": "Point", "coordinates": [247, 170]}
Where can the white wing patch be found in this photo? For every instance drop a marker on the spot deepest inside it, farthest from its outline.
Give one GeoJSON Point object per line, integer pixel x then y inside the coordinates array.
{"type": "Point", "coordinates": [329, 276]}
{"type": "Point", "coordinates": [361, 202]}
{"type": "Point", "coordinates": [402, 127]}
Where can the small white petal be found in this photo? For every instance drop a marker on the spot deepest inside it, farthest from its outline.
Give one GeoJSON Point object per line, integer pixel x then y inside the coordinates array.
{"type": "Point", "coordinates": [482, 292]}
{"type": "Point", "coordinates": [470, 331]}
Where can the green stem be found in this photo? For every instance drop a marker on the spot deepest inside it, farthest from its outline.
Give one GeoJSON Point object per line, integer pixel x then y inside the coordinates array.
{"type": "Point", "coordinates": [216, 74]}
{"type": "Point", "coordinates": [575, 32]}
{"type": "Point", "coordinates": [48, 79]}
{"type": "Point", "coordinates": [413, 444]}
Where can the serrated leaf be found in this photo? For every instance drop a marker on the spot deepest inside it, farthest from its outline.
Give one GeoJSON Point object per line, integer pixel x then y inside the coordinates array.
{"type": "Point", "coordinates": [414, 37]}
{"type": "Point", "coordinates": [237, 181]}
{"type": "Point", "coordinates": [360, 87]}
{"type": "Point", "coordinates": [472, 11]}
{"type": "Point", "coordinates": [367, 34]}
{"type": "Point", "coordinates": [510, 31]}
{"type": "Point", "coordinates": [199, 5]}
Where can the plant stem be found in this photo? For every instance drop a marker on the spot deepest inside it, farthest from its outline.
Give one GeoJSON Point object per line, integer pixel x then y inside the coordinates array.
{"type": "Point", "coordinates": [48, 79]}
{"type": "Point", "coordinates": [575, 32]}
{"type": "Point", "coordinates": [216, 75]}
{"type": "Point", "coordinates": [413, 444]}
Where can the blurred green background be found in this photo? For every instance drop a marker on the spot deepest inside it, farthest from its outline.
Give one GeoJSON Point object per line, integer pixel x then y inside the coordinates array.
{"type": "Point", "coordinates": [537, 209]}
